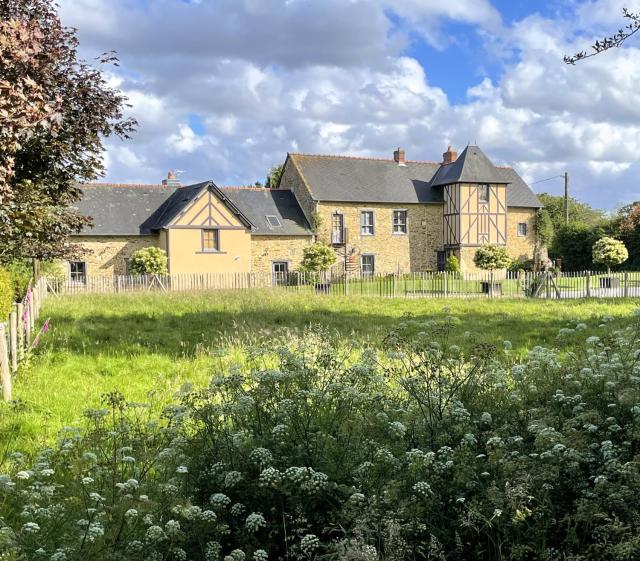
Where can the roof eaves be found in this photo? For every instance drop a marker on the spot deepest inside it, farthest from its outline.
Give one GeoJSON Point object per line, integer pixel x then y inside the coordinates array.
{"type": "Point", "coordinates": [299, 170]}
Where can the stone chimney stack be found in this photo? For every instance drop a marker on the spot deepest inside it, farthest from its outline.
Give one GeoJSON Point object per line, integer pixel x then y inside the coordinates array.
{"type": "Point", "coordinates": [449, 156]}
{"type": "Point", "coordinates": [398, 156]}
{"type": "Point", "coordinates": [171, 180]}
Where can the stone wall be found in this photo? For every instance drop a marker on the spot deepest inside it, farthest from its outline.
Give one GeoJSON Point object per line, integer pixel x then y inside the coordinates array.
{"type": "Point", "coordinates": [293, 180]}
{"type": "Point", "coordinates": [521, 247]}
{"type": "Point", "coordinates": [415, 251]}
{"type": "Point", "coordinates": [267, 249]}
{"type": "Point", "coordinates": [105, 255]}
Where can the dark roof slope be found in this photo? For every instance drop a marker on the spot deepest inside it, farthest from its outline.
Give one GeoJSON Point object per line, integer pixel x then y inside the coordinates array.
{"type": "Point", "coordinates": [121, 209]}
{"type": "Point", "coordinates": [174, 205]}
{"type": "Point", "coordinates": [518, 192]}
{"type": "Point", "coordinates": [365, 180]}
{"type": "Point", "coordinates": [257, 204]}
{"type": "Point", "coordinates": [472, 166]}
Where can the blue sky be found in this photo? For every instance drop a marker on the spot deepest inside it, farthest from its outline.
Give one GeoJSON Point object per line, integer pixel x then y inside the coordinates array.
{"type": "Point", "coordinates": [224, 88]}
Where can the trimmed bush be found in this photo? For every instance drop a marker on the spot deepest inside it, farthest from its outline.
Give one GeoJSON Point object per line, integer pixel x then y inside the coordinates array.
{"type": "Point", "coordinates": [317, 258]}
{"type": "Point", "coordinates": [148, 261]}
{"type": "Point", "coordinates": [492, 257]}
{"type": "Point", "coordinates": [609, 252]}
{"type": "Point", "coordinates": [7, 294]}
{"type": "Point", "coordinates": [452, 264]}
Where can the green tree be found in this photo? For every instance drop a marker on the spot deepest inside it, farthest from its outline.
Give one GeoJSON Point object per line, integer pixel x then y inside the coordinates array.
{"type": "Point", "coordinates": [491, 257]}
{"type": "Point", "coordinates": [579, 212]}
{"type": "Point", "coordinates": [317, 257]}
{"type": "Point", "coordinates": [574, 244]}
{"type": "Point", "coordinates": [609, 252]}
{"type": "Point", "coordinates": [273, 177]}
{"type": "Point", "coordinates": [55, 111]}
{"type": "Point", "coordinates": [148, 261]}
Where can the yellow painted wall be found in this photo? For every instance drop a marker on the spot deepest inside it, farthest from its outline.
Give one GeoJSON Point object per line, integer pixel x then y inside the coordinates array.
{"type": "Point", "coordinates": [186, 255]}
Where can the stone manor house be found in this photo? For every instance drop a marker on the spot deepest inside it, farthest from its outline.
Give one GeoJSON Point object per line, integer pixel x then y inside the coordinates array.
{"type": "Point", "coordinates": [380, 215]}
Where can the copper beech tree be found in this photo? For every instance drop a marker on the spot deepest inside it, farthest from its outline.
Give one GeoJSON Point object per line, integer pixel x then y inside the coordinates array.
{"type": "Point", "coordinates": [55, 112]}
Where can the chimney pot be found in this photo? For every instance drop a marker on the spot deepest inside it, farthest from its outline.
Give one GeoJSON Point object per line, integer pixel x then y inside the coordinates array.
{"type": "Point", "coordinates": [171, 180]}
{"type": "Point", "coordinates": [398, 157]}
{"type": "Point", "coordinates": [449, 156]}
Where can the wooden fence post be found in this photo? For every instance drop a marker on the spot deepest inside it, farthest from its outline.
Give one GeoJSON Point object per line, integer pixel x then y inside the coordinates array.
{"type": "Point", "coordinates": [588, 280]}
{"type": "Point", "coordinates": [13, 339]}
{"type": "Point", "coordinates": [21, 334]}
{"type": "Point", "coordinates": [626, 284]}
{"type": "Point", "coordinates": [5, 373]}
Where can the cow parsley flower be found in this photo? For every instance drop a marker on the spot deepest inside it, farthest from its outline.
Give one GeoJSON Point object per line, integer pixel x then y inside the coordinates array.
{"type": "Point", "coordinates": [30, 528]}
{"type": "Point", "coordinates": [260, 555]}
{"type": "Point", "coordinates": [309, 544]}
{"type": "Point", "coordinates": [255, 521]}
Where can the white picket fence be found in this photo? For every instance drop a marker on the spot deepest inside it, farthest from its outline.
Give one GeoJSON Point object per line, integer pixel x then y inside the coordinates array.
{"type": "Point", "coordinates": [586, 284]}
{"type": "Point", "coordinates": [18, 334]}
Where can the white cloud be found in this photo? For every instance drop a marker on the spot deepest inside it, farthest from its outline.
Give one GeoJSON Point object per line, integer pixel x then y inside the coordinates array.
{"type": "Point", "coordinates": [268, 76]}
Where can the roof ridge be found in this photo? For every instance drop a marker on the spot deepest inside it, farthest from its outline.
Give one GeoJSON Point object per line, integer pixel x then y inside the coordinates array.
{"type": "Point", "coordinates": [126, 185]}
{"type": "Point", "coordinates": [248, 188]}
{"type": "Point", "coordinates": [370, 158]}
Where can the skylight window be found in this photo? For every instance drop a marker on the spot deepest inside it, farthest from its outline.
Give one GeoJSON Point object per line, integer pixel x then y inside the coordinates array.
{"type": "Point", "coordinates": [273, 221]}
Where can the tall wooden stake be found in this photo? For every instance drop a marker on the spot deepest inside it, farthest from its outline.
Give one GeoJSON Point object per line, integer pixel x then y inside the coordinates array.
{"type": "Point", "coordinates": [5, 372]}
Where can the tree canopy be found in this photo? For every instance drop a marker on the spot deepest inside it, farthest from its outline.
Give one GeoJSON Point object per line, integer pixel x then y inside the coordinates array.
{"type": "Point", "coordinates": [55, 112]}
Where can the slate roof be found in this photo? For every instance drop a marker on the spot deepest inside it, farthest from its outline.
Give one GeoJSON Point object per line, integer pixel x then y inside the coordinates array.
{"type": "Point", "coordinates": [133, 210]}
{"type": "Point", "coordinates": [368, 180]}
{"type": "Point", "coordinates": [122, 209]}
{"type": "Point", "coordinates": [257, 204]}
{"type": "Point", "coordinates": [472, 166]}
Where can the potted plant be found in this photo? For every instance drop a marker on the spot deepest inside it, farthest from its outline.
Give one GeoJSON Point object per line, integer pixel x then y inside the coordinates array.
{"type": "Point", "coordinates": [490, 258]}
{"type": "Point", "coordinates": [609, 252]}
{"type": "Point", "coordinates": [317, 258]}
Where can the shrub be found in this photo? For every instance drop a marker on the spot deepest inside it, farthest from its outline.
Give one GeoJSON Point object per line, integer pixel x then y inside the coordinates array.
{"type": "Point", "coordinates": [452, 264]}
{"type": "Point", "coordinates": [7, 294]}
{"type": "Point", "coordinates": [574, 245]}
{"type": "Point", "coordinates": [148, 261]}
{"type": "Point", "coordinates": [21, 273]}
{"type": "Point", "coordinates": [114, 491]}
{"type": "Point", "coordinates": [491, 257]}
{"type": "Point", "coordinates": [609, 252]}
{"type": "Point", "coordinates": [317, 257]}
{"type": "Point", "coordinates": [518, 265]}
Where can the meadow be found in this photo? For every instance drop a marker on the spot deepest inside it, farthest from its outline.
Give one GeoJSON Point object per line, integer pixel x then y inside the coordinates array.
{"type": "Point", "coordinates": [150, 346]}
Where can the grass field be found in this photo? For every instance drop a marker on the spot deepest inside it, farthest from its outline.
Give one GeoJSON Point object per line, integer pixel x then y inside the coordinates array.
{"type": "Point", "coordinates": [142, 343]}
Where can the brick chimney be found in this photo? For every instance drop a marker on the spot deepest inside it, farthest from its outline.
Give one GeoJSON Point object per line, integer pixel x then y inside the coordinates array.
{"type": "Point", "coordinates": [171, 180]}
{"type": "Point", "coordinates": [449, 156]}
{"type": "Point", "coordinates": [398, 156]}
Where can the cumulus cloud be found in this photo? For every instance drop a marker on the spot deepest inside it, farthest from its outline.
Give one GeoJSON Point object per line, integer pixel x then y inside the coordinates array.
{"type": "Point", "coordinates": [263, 77]}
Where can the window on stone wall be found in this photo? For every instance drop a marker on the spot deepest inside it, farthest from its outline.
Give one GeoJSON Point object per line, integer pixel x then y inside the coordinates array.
{"type": "Point", "coordinates": [368, 264]}
{"type": "Point", "coordinates": [399, 221]}
{"type": "Point", "coordinates": [366, 223]}
{"type": "Point", "coordinates": [483, 193]}
{"type": "Point", "coordinates": [78, 271]}
{"type": "Point", "coordinates": [211, 240]}
{"type": "Point", "coordinates": [523, 229]}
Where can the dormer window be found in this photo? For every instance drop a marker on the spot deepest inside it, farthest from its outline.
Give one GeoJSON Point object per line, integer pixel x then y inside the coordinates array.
{"type": "Point", "coordinates": [483, 193]}
{"type": "Point", "coordinates": [273, 221]}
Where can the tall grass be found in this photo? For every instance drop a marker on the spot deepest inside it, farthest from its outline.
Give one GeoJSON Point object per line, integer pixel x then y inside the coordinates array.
{"type": "Point", "coordinates": [148, 346]}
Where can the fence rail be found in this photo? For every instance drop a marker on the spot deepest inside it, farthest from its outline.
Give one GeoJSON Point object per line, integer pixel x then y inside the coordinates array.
{"type": "Point", "coordinates": [17, 334]}
{"type": "Point", "coordinates": [585, 284]}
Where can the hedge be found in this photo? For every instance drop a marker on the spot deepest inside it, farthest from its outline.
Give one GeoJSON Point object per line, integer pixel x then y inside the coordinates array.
{"type": "Point", "coordinates": [6, 294]}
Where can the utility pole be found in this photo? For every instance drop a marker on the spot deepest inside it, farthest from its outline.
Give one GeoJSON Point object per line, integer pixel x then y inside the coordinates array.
{"type": "Point", "coordinates": [566, 198]}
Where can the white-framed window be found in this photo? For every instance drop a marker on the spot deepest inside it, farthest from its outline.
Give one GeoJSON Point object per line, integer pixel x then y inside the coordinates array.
{"type": "Point", "coordinates": [368, 264]}
{"type": "Point", "coordinates": [211, 240]}
{"type": "Point", "coordinates": [400, 222]}
{"type": "Point", "coordinates": [78, 271]}
{"type": "Point", "coordinates": [523, 229]}
{"type": "Point", "coordinates": [483, 193]}
{"type": "Point", "coordinates": [366, 223]}
{"type": "Point", "coordinates": [280, 271]}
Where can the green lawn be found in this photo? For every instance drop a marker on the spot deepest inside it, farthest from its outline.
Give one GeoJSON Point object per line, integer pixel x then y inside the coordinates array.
{"type": "Point", "coordinates": [141, 343]}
